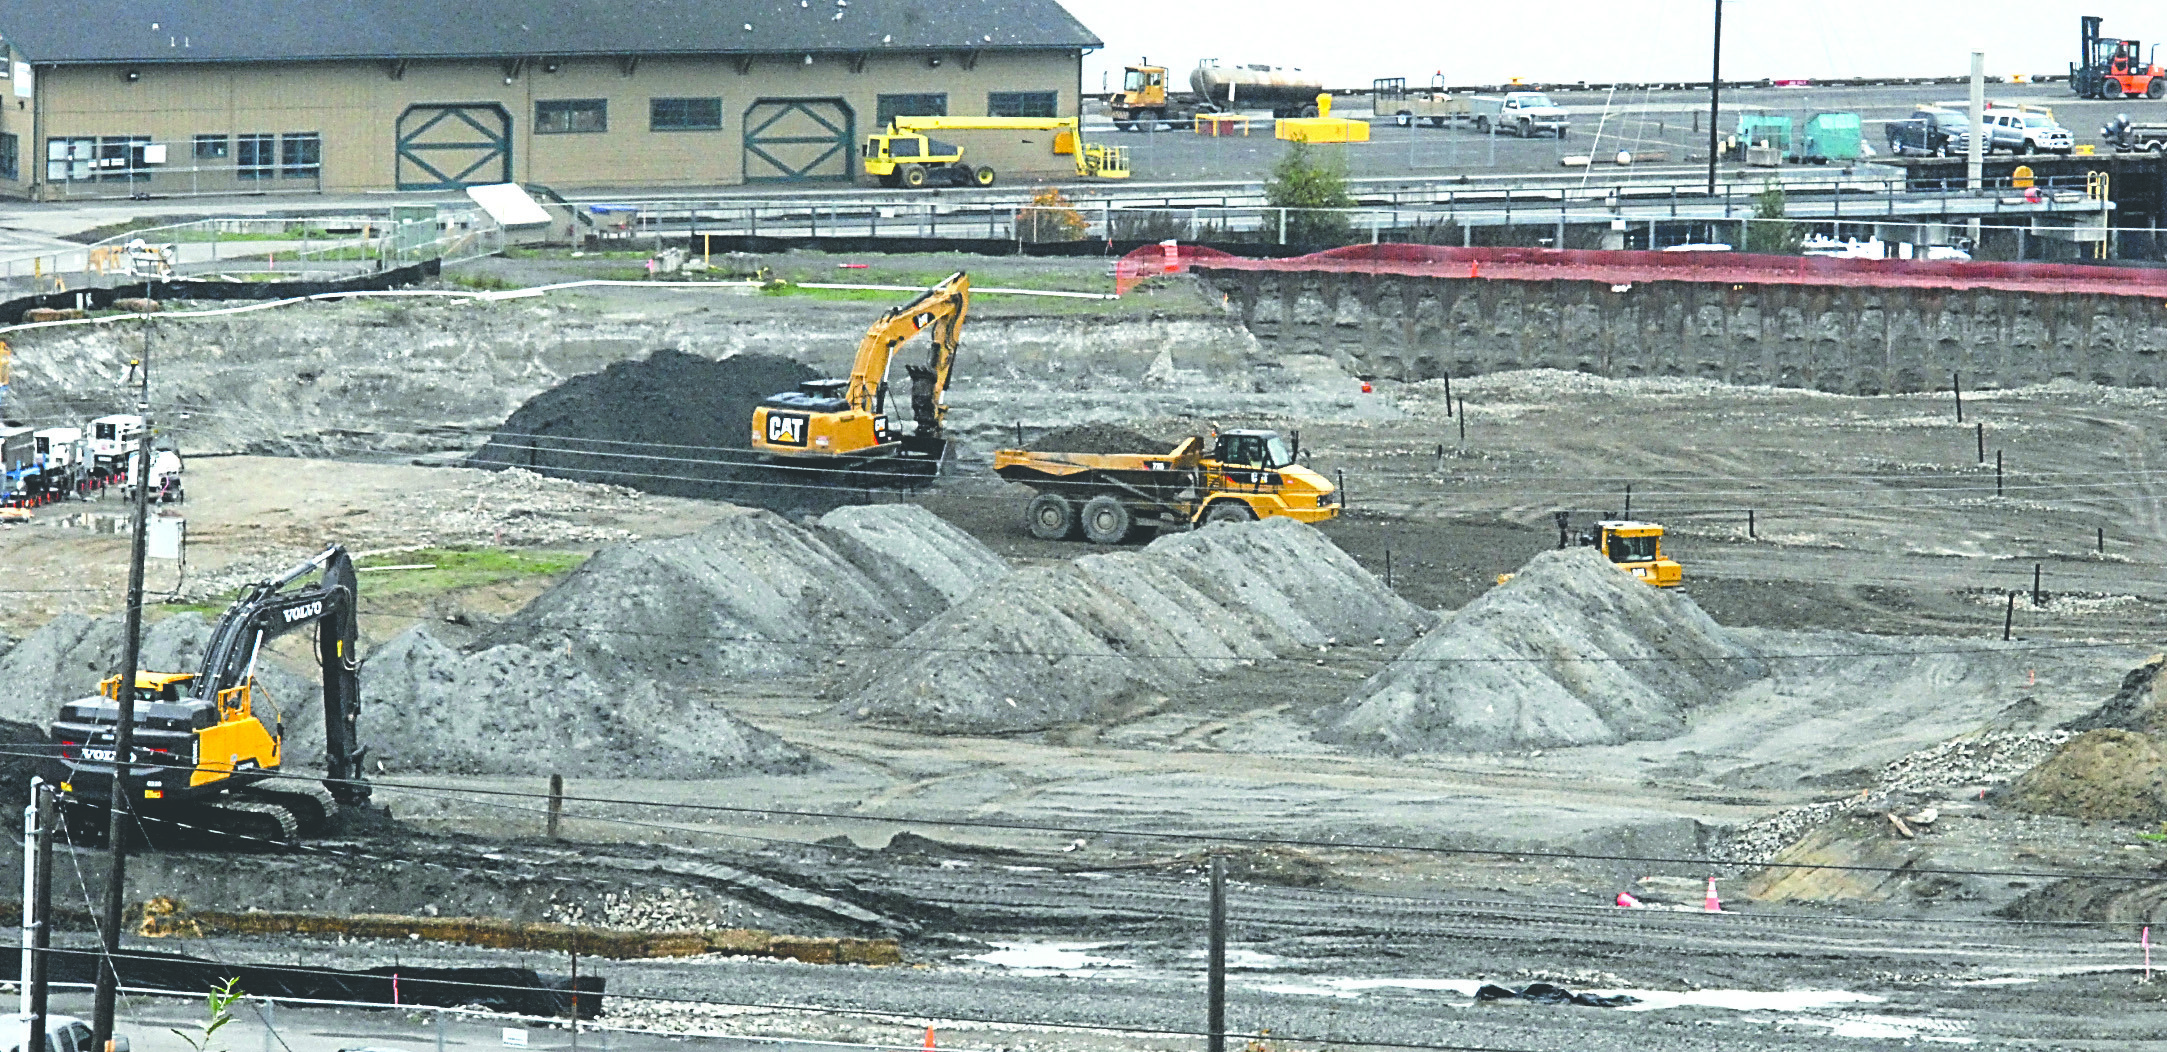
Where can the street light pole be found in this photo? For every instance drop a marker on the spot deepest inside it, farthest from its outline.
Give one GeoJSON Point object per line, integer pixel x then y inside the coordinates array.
{"type": "Point", "coordinates": [117, 802]}
{"type": "Point", "coordinates": [1715, 102]}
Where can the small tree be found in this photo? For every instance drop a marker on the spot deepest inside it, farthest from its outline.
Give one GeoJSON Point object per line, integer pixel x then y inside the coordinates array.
{"type": "Point", "coordinates": [1303, 180]}
{"type": "Point", "coordinates": [219, 1006]}
{"type": "Point", "coordinates": [1769, 232]}
{"type": "Point", "coordinates": [1051, 217]}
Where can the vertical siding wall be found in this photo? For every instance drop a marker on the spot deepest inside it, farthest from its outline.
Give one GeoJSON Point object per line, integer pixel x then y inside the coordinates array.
{"type": "Point", "coordinates": [355, 106]}
{"type": "Point", "coordinates": [1843, 340]}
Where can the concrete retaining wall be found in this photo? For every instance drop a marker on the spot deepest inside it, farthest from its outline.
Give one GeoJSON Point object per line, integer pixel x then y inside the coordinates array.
{"type": "Point", "coordinates": [1845, 340]}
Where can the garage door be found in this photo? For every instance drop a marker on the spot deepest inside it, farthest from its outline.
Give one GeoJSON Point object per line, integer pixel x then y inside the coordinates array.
{"type": "Point", "coordinates": [449, 145]}
{"type": "Point", "coordinates": [792, 140]}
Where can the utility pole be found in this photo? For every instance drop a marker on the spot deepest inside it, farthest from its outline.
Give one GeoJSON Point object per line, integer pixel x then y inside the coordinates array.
{"type": "Point", "coordinates": [1215, 962]}
{"type": "Point", "coordinates": [41, 909]}
{"type": "Point", "coordinates": [117, 803]}
{"type": "Point", "coordinates": [1715, 103]}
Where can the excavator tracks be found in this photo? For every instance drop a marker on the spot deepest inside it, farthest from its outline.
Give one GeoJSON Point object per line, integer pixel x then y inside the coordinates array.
{"type": "Point", "coordinates": [254, 819]}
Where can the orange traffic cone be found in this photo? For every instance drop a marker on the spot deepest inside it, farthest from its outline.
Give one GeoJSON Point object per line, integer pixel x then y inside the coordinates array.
{"type": "Point", "coordinates": [1712, 904]}
{"type": "Point", "coordinates": [929, 1039]}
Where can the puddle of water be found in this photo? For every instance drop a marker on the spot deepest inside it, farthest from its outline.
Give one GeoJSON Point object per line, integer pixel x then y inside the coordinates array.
{"type": "Point", "coordinates": [1051, 958]}
{"type": "Point", "coordinates": [1742, 1000]}
{"type": "Point", "coordinates": [1895, 1028]}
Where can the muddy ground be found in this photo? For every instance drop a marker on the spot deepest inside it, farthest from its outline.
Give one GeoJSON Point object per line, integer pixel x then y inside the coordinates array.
{"type": "Point", "coordinates": [1870, 515]}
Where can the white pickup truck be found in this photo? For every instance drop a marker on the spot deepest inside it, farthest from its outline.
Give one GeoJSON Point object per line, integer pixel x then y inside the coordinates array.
{"type": "Point", "coordinates": [1522, 113]}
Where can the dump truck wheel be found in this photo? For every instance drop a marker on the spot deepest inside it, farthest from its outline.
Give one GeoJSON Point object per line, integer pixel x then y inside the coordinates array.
{"type": "Point", "coordinates": [1051, 517]}
{"type": "Point", "coordinates": [913, 177]}
{"type": "Point", "coordinates": [1106, 520]}
{"type": "Point", "coordinates": [1228, 511]}
{"type": "Point", "coordinates": [983, 176]}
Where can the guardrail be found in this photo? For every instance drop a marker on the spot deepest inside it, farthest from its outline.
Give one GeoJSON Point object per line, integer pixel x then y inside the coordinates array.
{"type": "Point", "coordinates": [315, 248]}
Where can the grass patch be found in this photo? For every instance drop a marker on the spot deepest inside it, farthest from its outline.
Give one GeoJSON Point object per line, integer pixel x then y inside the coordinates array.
{"type": "Point", "coordinates": [453, 569]}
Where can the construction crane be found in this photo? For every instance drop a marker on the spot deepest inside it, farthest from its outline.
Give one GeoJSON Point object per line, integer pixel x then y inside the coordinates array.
{"type": "Point", "coordinates": [2107, 68]}
{"type": "Point", "coordinates": [205, 762]}
{"type": "Point", "coordinates": [835, 422]}
{"type": "Point", "coordinates": [904, 155]}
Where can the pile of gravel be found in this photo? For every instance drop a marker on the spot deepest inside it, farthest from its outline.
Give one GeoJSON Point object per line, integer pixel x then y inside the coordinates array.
{"type": "Point", "coordinates": [671, 423]}
{"type": "Point", "coordinates": [65, 658]}
{"type": "Point", "coordinates": [517, 710]}
{"type": "Point", "coordinates": [1098, 438]}
{"type": "Point", "coordinates": [1052, 645]}
{"type": "Point", "coordinates": [1569, 652]}
{"type": "Point", "coordinates": [754, 596]}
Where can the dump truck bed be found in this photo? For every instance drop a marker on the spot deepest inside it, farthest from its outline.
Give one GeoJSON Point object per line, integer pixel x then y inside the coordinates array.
{"type": "Point", "coordinates": [1159, 476]}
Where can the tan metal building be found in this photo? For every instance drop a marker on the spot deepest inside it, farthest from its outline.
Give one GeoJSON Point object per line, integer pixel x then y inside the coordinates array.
{"type": "Point", "coordinates": [154, 97]}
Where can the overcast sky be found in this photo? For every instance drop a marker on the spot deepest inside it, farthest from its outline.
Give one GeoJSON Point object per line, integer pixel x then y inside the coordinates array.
{"type": "Point", "coordinates": [1351, 42]}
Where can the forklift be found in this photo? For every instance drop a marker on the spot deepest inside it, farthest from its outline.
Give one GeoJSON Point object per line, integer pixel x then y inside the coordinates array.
{"type": "Point", "coordinates": [2114, 69]}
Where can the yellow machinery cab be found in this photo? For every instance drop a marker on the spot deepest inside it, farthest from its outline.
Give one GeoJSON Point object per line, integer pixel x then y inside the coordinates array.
{"type": "Point", "coordinates": [1260, 470]}
{"type": "Point", "coordinates": [1636, 548]}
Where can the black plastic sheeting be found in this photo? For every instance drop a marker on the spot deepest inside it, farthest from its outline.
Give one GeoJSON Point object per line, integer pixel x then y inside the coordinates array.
{"type": "Point", "coordinates": [976, 246]}
{"type": "Point", "coordinates": [519, 991]}
{"type": "Point", "coordinates": [12, 311]}
{"type": "Point", "coordinates": [1552, 994]}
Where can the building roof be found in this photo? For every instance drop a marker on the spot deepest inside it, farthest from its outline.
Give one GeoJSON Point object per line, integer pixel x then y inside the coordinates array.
{"type": "Point", "coordinates": [155, 31]}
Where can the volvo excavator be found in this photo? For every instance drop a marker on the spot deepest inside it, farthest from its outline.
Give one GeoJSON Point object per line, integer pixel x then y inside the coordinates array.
{"type": "Point", "coordinates": [204, 762]}
{"type": "Point", "coordinates": [846, 423]}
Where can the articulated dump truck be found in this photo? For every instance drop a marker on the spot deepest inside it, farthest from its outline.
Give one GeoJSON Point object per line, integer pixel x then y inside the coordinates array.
{"type": "Point", "coordinates": [1109, 498]}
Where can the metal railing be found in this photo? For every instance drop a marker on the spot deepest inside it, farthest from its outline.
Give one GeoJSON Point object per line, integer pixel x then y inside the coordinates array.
{"type": "Point", "coordinates": [317, 248]}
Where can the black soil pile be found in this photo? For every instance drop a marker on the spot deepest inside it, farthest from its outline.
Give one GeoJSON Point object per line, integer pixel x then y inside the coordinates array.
{"type": "Point", "coordinates": [673, 423]}
{"type": "Point", "coordinates": [1098, 438]}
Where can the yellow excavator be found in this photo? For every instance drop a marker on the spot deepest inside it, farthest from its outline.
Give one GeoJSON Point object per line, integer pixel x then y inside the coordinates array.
{"type": "Point", "coordinates": [846, 422]}
{"type": "Point", "coordinates": [203, 763]}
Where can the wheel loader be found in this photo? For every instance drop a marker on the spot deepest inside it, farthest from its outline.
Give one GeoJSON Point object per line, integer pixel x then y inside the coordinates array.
{"type": "Point", "coordinates": [1110, 498]}
{"type": "Point", "coordinates": [205, 760]}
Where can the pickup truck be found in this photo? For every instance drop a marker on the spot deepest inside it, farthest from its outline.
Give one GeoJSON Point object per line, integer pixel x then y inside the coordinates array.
{"type": "Point", "coordinates": [2129, 136]}
{"type": "Point", "coordinates": [1522, 113]}
{"type": "Point", "coordinates": [2027, 131]}
{"type": "Point", "coordinates": [1930, 131]}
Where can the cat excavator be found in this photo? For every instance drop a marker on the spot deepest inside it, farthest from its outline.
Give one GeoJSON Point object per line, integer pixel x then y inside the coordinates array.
{"type": "Point", "coordinates": [204, 761]}
{"type": "Point", "coordinates": [845, 423]}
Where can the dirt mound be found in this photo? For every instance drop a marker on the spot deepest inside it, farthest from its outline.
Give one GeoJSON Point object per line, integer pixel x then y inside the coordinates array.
{"type": "Point", "coordinates": [1051, 645]}
{"type": "Point", "coordinates": [2103, 774]}
{"type": "Point", "coordinates": [517, 710]}
{"type": "Point", "coordinates": [671, 423]}
{"type": "Point", "coordinates": [1569, 652]}
{"type": "Point", "coordinates": [753, 596]}
{"type": "Point", "coordinates": [2140, 705]}
{"type": "Point", "coordinates": [1098, 438]}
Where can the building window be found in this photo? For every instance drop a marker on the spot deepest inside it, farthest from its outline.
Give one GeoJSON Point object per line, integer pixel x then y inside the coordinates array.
{"type": "Point", "coordinates": [684, 115]}
{"type": "Point", "coordinates": [255, 156]}
{"type": "Point", "coordinates": [119, 156]}
{"type": "Point", "coordinates": [1023, 104]}
{"type": "Point", "coordinates": [69, 160]}
{"type": "Point", "coordinates": [300, 155]}
{"type": "Point", "coordinates": [928, 104]}
{"type": "Point", "coordinates": [11, 157]}
{"type": "Point", "coordinates": [213, 148]}
{"type": "Point", "coordinates": [569, 116]}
